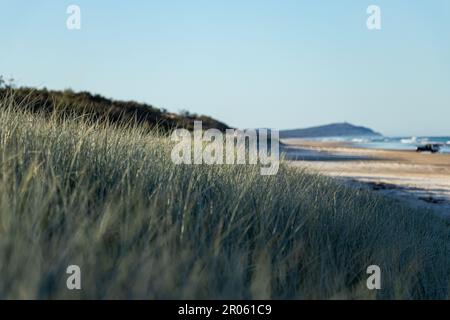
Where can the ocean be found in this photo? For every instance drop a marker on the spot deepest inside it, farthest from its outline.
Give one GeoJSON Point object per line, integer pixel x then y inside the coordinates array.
{"type": "Point", "coordinates": [395, 143]}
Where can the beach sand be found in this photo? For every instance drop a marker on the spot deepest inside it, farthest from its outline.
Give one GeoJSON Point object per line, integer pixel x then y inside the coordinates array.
{"type": "Point", "coordinates": [419, 179]}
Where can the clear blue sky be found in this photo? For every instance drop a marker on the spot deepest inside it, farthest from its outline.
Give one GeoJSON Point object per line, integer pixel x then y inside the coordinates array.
{"type": "Point", "coordinates": [278, 64]}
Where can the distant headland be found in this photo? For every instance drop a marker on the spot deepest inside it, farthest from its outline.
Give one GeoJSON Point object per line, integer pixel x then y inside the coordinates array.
{"type": "Point", "coordinates": [342, 129]}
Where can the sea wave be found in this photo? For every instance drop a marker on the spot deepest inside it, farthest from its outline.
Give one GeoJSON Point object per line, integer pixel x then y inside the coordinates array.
{"type": "Point", "coordinates": [360, 140]}
{"type": "Point", "coordinates": [409, 140]}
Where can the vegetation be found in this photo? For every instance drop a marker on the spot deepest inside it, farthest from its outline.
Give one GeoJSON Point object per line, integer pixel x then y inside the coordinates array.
{"type": "Point", "coordinates": [109, 199]}
{"type": "Point", "coordinates": [98, 108]}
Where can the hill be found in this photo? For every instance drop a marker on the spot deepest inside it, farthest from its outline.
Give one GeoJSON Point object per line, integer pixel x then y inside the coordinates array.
{"type": "Point", "coordinates": [330, 130]}
{"type": "Point", "coordinates": [96, 107]}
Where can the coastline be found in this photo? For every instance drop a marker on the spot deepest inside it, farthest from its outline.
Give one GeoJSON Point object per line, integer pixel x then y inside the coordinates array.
{"type": "Point", "coordinates": [419, 179]}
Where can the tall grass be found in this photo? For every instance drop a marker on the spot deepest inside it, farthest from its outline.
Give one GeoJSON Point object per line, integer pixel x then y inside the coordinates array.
{"type": "Point", "coordinates": [110, 200]}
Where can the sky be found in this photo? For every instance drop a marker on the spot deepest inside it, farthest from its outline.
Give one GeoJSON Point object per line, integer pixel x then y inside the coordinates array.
{"type": "Point", "coordinates": [250, 63]}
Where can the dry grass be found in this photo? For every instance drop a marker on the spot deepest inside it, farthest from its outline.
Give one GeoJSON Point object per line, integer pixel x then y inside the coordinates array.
{"type": "Point", "coordinates": [111, 201]}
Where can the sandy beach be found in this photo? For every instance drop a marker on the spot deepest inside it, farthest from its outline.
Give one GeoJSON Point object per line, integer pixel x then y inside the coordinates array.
{"type": "Point", "coordinates": [420, 179]}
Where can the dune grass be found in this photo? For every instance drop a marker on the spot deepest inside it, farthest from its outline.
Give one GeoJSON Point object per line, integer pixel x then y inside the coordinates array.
{"type": "Point", "coordinates": [110, 200]}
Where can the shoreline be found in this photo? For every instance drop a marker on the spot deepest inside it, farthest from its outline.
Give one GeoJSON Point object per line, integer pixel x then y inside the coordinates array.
{"type": "Point", "coordinates": [419, 179]}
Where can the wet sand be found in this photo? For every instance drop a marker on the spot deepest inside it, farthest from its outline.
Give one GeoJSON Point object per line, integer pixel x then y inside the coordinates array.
{"type": "Point", "coordinates": [420, 179]}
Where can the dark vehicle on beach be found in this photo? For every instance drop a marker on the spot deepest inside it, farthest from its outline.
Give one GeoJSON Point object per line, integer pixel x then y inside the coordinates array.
{"type": "Point", "coordinates": [433, 148]}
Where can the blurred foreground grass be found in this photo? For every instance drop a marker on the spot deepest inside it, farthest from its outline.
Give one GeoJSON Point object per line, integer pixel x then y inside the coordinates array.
{"type": "Point", "coordinates": [110, 200]}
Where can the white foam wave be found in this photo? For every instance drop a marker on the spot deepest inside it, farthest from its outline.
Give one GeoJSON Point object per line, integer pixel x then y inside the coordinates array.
{"type": "Point", "coordinates": [360, 140]}
{"type": "Point", "coordinates": [409, 141]}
